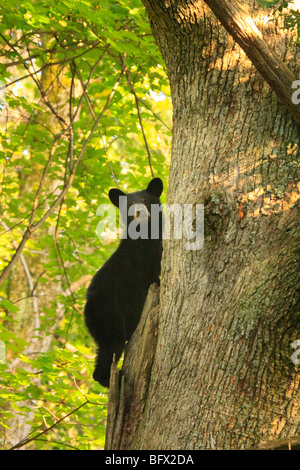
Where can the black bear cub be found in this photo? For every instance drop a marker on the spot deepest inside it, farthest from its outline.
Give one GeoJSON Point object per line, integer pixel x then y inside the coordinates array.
{"type": "Point", "coordinates": [117, 293]}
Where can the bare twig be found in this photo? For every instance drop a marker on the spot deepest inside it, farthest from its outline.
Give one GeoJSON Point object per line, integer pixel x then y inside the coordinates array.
{"type": "Point", "coordinates": [86, 96]}
{"type": "Point", "coordinates": [140, 120]}
{"type": "Point", "coordinates": [36, 199]}
{"type": "Point", "coordinates": [32, 75]}
{"type": "Point", "coordinates": [49, 64]}
{"type": "Point", "coordinates": [85, 86]}
{"type": "Point", "coordinates": [51, 50]}
{"type": "Point", "coordinates": [26, 441]}
{"type": "Point", "coordinates": [154, 114]}
{"type": "Point", "coordinates": [71, 130]}
{"type": "Point", "coordinates": [13, 227]}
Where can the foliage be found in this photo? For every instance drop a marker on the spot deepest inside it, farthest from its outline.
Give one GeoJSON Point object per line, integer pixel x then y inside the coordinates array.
{"type": "Point", "coordinates": [86, 107]}
{"type": "Point", "coordinates": [286, 9]}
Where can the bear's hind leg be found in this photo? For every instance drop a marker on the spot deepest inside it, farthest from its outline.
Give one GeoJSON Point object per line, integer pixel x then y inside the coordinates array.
{"type": "Point", "coordinates": [104, 360]}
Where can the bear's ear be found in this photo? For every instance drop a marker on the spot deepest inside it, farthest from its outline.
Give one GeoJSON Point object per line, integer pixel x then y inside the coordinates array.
{"type": "Point", "coordinates": [155, 187]}
{"type": "Point", "coordinates": [114, 195]}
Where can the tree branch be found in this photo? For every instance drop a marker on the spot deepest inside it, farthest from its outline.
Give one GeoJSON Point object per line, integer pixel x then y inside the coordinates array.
{"type": "Point", "coordinates": [48, 64]}
{"type": "Point", "coordinates": [52, 50]}
{"type": "Point", "coordinates": [244, 31]}
{"type": "Point", "coordinates": [25, 441]}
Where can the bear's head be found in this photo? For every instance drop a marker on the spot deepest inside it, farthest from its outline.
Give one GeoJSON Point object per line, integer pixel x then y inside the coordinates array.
{"type": "Point", "coordinates": [141, 211]}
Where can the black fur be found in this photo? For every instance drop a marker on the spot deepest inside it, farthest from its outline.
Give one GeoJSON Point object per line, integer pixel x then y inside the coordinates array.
{"type": "Point", "coordinates": [117, 293]}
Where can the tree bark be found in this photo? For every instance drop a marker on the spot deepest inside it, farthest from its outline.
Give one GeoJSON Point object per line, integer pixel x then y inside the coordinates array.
{"type": "Point", "coordinates": [219, 368]}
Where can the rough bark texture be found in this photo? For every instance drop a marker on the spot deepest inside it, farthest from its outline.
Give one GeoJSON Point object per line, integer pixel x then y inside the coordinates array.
{"type": "Point", "coordinates": [220, 374]}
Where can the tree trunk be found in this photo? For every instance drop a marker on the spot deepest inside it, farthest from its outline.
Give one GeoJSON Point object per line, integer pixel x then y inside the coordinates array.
{"type": "Point", "coordinates": [216, 369]}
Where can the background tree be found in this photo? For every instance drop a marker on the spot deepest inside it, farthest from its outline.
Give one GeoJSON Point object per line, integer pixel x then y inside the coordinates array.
{"type": "Point", "coordinates": [219, 373]}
